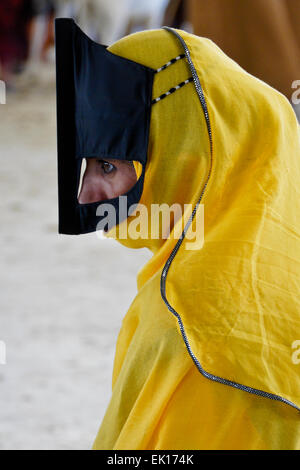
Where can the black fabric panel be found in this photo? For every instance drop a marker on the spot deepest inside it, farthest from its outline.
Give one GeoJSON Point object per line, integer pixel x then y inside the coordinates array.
{"type": "Point", "coordinates": [112, 102]}
{"type": "Point", "coordinates": [88, 217]}
{"type": "Point", "coordinates": [103, 110]}
{"type": "Point", "coordinates": [69, 222]}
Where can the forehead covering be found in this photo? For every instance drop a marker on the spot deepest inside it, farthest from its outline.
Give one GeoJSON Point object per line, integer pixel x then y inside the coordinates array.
{"type": "Point", "coordinates": [231, 142]}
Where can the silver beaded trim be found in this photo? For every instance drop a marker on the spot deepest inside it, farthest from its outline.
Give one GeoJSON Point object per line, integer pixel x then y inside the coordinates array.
{"type": "Point", "coordinates": [172, 61]}
{"type": "Point", "coordinates": [180, 85]}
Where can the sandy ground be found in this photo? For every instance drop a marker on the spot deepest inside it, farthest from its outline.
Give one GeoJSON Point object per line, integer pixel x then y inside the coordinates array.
{"type": "Point", "coordinates": [62, 298]}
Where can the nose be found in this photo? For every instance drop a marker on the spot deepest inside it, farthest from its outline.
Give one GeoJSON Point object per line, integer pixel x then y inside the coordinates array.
{"type": "Point", "coordinates": [92, 191]}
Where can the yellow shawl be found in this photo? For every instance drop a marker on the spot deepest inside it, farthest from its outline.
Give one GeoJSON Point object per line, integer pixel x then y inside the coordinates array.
{"type": "Point", "coordinates": [207, 355]}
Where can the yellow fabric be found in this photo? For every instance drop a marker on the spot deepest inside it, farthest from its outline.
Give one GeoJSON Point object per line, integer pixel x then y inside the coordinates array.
{"type": "Point", "coordinates": [239, 294]}
{"type": "Point", "coordinates": [138, 169]}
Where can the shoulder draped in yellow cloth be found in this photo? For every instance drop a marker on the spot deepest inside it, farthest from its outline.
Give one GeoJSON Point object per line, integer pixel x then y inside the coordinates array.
{"type": "Point", "coordinates": [206, 357]}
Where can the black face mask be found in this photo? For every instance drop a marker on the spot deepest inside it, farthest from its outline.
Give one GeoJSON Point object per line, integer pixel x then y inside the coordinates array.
{"type": "Point", "coordinates": [103, 111]}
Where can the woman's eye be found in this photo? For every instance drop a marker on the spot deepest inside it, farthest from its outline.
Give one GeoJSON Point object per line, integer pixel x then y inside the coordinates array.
{"type": "Point", "coordinates": [106, 166]}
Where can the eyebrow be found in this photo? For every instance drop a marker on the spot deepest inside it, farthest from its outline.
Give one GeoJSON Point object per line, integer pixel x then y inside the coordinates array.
{"type": "Point", "coordinates": [108, 160]}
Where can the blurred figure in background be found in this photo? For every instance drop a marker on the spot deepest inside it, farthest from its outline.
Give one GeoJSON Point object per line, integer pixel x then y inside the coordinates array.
{"type": "Point", "coordinates": [14, 24]}
{"type": "Point", "coordinates": [40, 43]}
{"type": "Point", "coordinates": [26, 32]}
{"type": "Point", "coordinates": [105, 22]}
{"type": "Point", "coordinates": [41, 32]}
{"type": "Point", "coordinates": [176, 15]}
{"type": "Point", "coordinates": [263, 36]}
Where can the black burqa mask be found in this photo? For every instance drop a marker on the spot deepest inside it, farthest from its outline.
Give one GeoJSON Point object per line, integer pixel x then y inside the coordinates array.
{"type": "Point", "coordinates": [103, 111]}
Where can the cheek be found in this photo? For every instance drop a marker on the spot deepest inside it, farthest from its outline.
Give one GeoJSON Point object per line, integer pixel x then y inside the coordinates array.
{"type": "Point", "coordinates": [124, 180]}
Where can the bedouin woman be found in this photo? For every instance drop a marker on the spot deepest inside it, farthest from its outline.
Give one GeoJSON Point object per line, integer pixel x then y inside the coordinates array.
{"type": "Point", "coordinates": [208, 354]}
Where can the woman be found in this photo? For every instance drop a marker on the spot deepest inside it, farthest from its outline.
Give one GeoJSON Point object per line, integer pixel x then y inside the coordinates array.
{"type": "Point", "coordinates": [207, 356]}
{"type": "Point", "coordinates": [14, 21]}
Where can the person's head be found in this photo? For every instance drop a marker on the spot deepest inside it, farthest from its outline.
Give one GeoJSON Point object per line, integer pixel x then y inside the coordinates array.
{"type": "Point", "coordinates": [142, 100]}
{"type": "Point", "coordinates": [105, 179]}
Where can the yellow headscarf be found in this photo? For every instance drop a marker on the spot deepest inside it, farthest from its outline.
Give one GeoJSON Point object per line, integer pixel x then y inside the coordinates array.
{"type": "Point", "coordinates": [207, 354]}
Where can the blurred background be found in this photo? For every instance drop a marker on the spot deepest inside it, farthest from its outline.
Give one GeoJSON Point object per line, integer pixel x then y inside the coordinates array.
{"type": "Point", "coordinates": [62, 297]}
